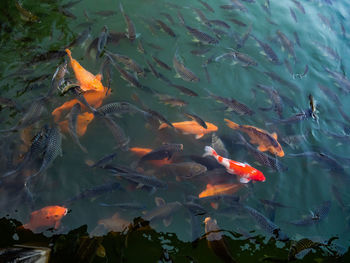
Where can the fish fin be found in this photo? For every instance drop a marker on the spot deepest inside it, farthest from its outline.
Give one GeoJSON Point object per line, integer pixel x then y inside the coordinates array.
{"type": "Point", "coordinates": [262, 148]}
{"type": "Point", "coordinates": [69, 53]}
{"type": "Point", "coordinates": [274, 135]}
{"type": "Point", "coordinates": [214, 205]}
{"type": "Point", "coordinates": [99, 77]}
{"type": "Point", "coordinates": [244, 180]}
{"type": "Point", "coordinates": [231, 124]}
{"type": "Point", "coordinates": [162, 126]}
{"type": "Point", "coordinates": [198, 136]}
{"type": "Point", "coordinates": [139, 186]}
{"type": "Point", "coordinates": [167, 221]}
{"type": "Point", "coordinates": [57, 224]}
{"type": "Point", "coordinates": [159, 201]}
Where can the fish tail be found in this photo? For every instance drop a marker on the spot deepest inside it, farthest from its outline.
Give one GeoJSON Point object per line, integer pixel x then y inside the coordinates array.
{"type": "Point", "coordinates": [162, 126]}
{"type": "Point", "coordinates": [231, 124]}
{"type": "Point", "coordinates": [209, 151]}
{"type": "Point", "coordinates": [69, 53]}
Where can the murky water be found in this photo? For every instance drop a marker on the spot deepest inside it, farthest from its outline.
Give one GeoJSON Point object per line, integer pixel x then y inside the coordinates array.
{"type": "Point", "coordinates": [322, 174]}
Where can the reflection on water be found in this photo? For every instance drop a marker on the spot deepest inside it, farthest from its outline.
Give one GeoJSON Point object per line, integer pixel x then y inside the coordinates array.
{"type": "Point", "coordinates": [117, 129]}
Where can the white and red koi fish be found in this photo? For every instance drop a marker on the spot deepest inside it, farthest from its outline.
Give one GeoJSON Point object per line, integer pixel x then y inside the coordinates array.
{"type": "Point", "coordinates": [245, 171]}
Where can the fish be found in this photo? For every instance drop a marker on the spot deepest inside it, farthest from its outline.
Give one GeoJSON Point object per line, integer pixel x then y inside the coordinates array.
{"type": "Point", "coordinates": [233, 104]}
{"type": "Point", "coordinates": [293, 14]}
{"type": "Point", "coordinates": [192, 127]}
{"type": "Point", "coordinates": [266, 224]}
{"type": "Point", "coordinates": [118, 133]}
{"type": "Point", "coordinates": [219, 23]}
{"type": "Point", "coordinates": [161, 63]}
{"type": "Point", "coordinates": [47, 56]}
{"type": "Point", "coordinates": [105, 13]}
{"type": "Point", "coordinates": [296, 37]}
{"type": "Point", "coordinates": [105, 160]}
{"type": "Point", "coordinates": [140, 47]}
{"type": "Point", "coordinates": [216, 241]}
{"type": "Point", "coordinates": [116, 223]}
{"type": "Point", "coordinates": [153, 70]}
{"type": "Point", "coordinates": [220, 189]}
{"type": "Point", "coordinates": [202, 17]}
{"type": "Point", "coordinates": [329, 51]}
{"type": "Point", "coordinates": [329, 162]}
{"type": "Point", "coordinates": [73, 122]}
{"type": "Point", "coordinates": [86, 80]}
{"type": "Point", "coordinates": [46, 217]}
{"type": "Point", "coordinates": [169, 17]}
{"type": "Point", "coordinates": [244, 38]}
{"type": "Point", "coordinates": [207, 6]}
{"type": "Point", "coordinates": [299, 6]}
{"type": "Point", "coordinates": [162, 152]}
{"type": "Point", "coordinates": [325, 21]}
{"type": "Point", "coordinates": [300, 246]}
{"type": "Point", "coordinates": [25, 14]}
{"type": "Point", "coordinates": [121, 107]}
{"type": "Point", "coordinates": [102, 41]}
{"type": "Point", "coordinates": [287, 44]}
{"type": "Point", "coordinates": [264, 159]}
{"type": "Point", "coordinates": [164, 211]}
{"type": "Point", "coordinates": [205, 67]}
{"type": "Point", "coordinates": [241, 57]}
{"type": "Point", "coordinates": [284, 82]}
{"type": "Point", "coordinates": [200, 52]}
{"type": "Point", "coordinates": [271, 55]}
{"type": "Point", "coordinates": [237, 22]}
{"type": "Point", "coordinates": [265, 140]}
{"type": "Point", "coordinates": [183, 72]}
{"type": "Point", "coordinates": [197, 119]}
{"type": "Point", "coordinates": [273, 203]}
{"type": "Point", "coordinates": [125, 206]}
{"type": "Point", "coordinates": [128, 63]}
{"type": "Point", "coordinates": [131, 31]}
{"type": "Point", "coordinates": [342, 80]}
{"type": "Point", "coordinates": [172, 101]}
{"type": "Point", "coordinates": [288, 66]}
{"type": "Point", "coordinates": [143, 151]}
{"type": "Point", "coordinates": [58, 78]}
{"type": "Point", "coordinates": [275, 98]}
{"type": "Point", "coordinates": [239, 5]}
{"type": "Point", "coordinates": [94, 191]}
{"type": "Point", "coordinates": [319, 214]}
{"type": "Point", "coordinates": [184, 90]}
{"type": "Point", "coordinates": [184, 170]}
{"type": "Point", "coordinates": [218, 144]}
{"type": "Point", "coordinates": [166, 28]}
{"type": "Point", "coordinates": [243, 170]}
{"type": "Point", "coordinates": [201, 36]}
{"type": "Point", "coordinates": [180, 17]}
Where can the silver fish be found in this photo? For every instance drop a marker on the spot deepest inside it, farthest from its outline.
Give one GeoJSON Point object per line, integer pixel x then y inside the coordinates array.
{"type": "Point", "coordinates": [131, 31]}
{"type": "Point", "coordinates": [271, 55]}
{"type": "Point", "coordinates": [201, 36]}
{"type": "Point", "coordinates": [118, 134]}
{"type": "Point", "coordinates": [184, 72]}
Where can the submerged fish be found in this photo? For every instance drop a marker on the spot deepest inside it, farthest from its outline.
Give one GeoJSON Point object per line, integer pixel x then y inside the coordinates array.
{"type": "Point", "coordinates": [118, 133]}
{"type": "Point", "coordinates": [265, 140]}
{"type": "Point", "coordinates": [104, 161]}
{"type": "Point", "coordinates": [102, 41]}
{"type": "Point", "coordinates": [241, 57]}
{"type": "Point", "coordinates": [287, 44]}
{"type": "Point", "coordinates": [300, 246]}
{"type": "Point", "coordinates": [192, 127]}
{"type": "Point", "coordinates": [164, 211]}
{"type": "Point", "coordinates": [164, 151]}
{"type": "Point", "coordinates": [207, 6]}
{"type": "Point", "coordinates": [161, 63]}
{"type": "Point", "coordinates": [219, 146]}
{"type": "Point", "coordinates": [275, 98]}
{"type": "Point", "coordinates": [271, 55]}
{"type": "Point", "coordinates": [184, 72]}
{"type": "Point", "coordinates": [131, 31]}
{"type": "Point", "coordinates": [201, 36]}
{"type": "Point", "coordinates": [118, 108]}
{"type": "Point", "coordinates": [46, 217]}
{"type": "Point", "coordinates": [166, 28]}
{"type": "Point", "coordinates": [128, 62]}
{"type": "Point", "coordinates": [320, 213]}
{"type": "Point", "coordinates": [243, 170]}
{"type": "Point", "coordinates": [197, 119]}
{"type": "Point", "coordinates": [184, 170]}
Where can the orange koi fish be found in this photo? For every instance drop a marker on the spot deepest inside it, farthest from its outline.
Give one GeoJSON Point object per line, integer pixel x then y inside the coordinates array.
{"type": "Point", "coordinates": [47, 217]}
{"type": "Point", "coordinates": [82, 122]}
{"type": "Point", "coordinates": [86, 80]}
{"type": "Point", "coordinates": [220, 189]}
{"type": "Point", "coordinates": [245, 171]}
{"type": "Point", "coordinates": [192, 127]}
{"type": "Point", "coordinates": [265, 140]}
{"type": "Point", "coordinates": [143, 151]}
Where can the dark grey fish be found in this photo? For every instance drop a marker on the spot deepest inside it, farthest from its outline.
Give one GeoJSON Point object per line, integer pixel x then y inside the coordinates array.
{"type": "Point", "coordinates": [207, 6]}
{"type": "Point", "coordinates": [128, 63]}
{"type": "Point", "coordinates": [287, 44]}
{"type": "Point", "coordinates": [331, 52]}
{"type": "Point", "coordinates": [284, 82]}
{"type": "Point", "coordinates": [140, 47]}
{"type": "Point", "coordinates": [266, 224]}
{"type": "Point", "coordinates": [66, 12]}
{"type": "Point", "coordinates": [275, 98]}
{"type": "Point", "coordinates": [319, 214]}
{"type": "Point", "coordinates": [273, 203]}
{"type": "Point", "coordinates": [131, 31]}
{"type": "Point", "coordinates": [118, 133]}
{"type": "Point", "coordinates": [293, 14]}
{"type": "Point", "coordinates": [184, 170]}
{"type": "Point", "coordinates": [184, 90]}
{"type": "Point", "coordinates": [288, 66]}
{"type": "Point", "coordinates": [202, 17]}
{"type": "Point", "coordinates": [241, 57]}
{"type": "Point", "coordinates": [324, 159]}
{"type": "Point", "coordinates": [237, 22]}
{"type": "Point", "coordinates": [164, 151]}
{"type": "Point", "coordinates": [199, 52]}
{"type": "Point", "coordinates": [239, 5]}
{"type": "Point", "coordinates": [195, 209]}
{"type": "Point", "coordinates": [81, 38]}
{"type": "Point", "coordinates": [115, 37]}
{"type": "Point", "coordinates": [219, 23]}
{"type": "Point", "coordinates": [325, 21]}
{"type": "Point", "coordinates": [161, 63]}
{"type": "Point", "coordinates": [94, 191]}
{"type": "Point", "coordinates": [341, 79]}
{"type": "Point", "coordinates": [104, 160]}
{"type": "Point", "coordinates": [126, 206]}
{"type": "Point", "coordinates": [205, 67]}
{"type": "Point", "coordinates": [102, 41]}
{"type": "Point", "coordinates": [201, 36]}
{"type": "Point", "coordinates": [166, 28]}
{"type": "Point", "coordinates": [244, 38]}
{"type": "Point", "coordinates": [271, 55]}
{"type": "Point", "coordinates": [118, 108]}
{"type": "Point", "coordinates": [72, 125]}
{"type": "Point", "coordinates": [172, 101]}
{"type": "Point", "coordinates": [105, 13]}
{"type": "Point", "coordinates": [71, 4]}
{"type": "Point", "coordinates": [168, 16]}
{"type": "Point", "coordinates": [219, 146]}
{"type": "Point", "coordinates": [58, 78]}
{"type": "Point", "coordinates": [296, 37]}
{"type": "Point", "coordinates": [164, 211]}
{"type": "Point", "coordinates": [153, 70]}
{"type": "Point", "coordinates": [184, 72]}
{"type": "Point", "coordinates": [299, 6]}
{"type": "Point", "coordinates": [233, 104]}
{"type": "Point", "coordinates": [306, 70]}
{"type": "Point", "coordinates": [50, 55]}
{"type": "Point", "coordinates": [197, 119]}
{"type": "Point", "coordinates": [181, 18]}
{"type": "Point", "coordinates": [343, 29]}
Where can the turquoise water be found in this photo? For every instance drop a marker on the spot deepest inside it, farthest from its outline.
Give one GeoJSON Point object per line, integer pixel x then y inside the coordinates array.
{"type": "Point", "coordinates": [305, 185]}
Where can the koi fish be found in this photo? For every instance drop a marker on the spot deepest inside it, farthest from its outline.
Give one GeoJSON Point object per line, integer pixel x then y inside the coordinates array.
{"type": "Point", "coordinates": [143, 151]}
{"type": "Point", "coordinates": [220, 189]}
{"type": "Point", "coordinates": [47, 217]}
{"type": "Point", "coordinates": [265, 140]}
{"type": "Point", "coordinates": [86, 80]}
{"type": "Point", "coordinates": [192, 127]}
{"type": "Point", "coordinates": [245, 171]}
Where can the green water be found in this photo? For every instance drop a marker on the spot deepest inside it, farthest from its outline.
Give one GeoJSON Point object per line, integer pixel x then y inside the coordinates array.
{"type": "Point", "coordinates": [305, 185]}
